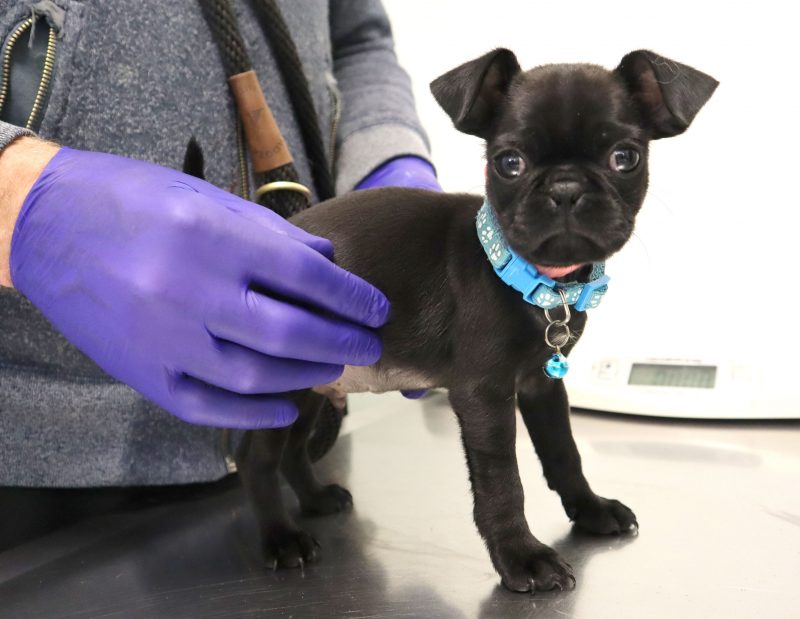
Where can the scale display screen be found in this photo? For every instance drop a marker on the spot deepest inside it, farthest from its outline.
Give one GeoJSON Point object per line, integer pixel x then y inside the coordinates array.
{"type": "Point", "coordinates": [663, 375]}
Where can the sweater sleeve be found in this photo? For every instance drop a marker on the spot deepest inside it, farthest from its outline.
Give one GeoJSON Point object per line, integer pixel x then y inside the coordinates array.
{"type": "Point", "coordinates": [378, 119]}
{"type": "Point", "coordinates": [9, 133]}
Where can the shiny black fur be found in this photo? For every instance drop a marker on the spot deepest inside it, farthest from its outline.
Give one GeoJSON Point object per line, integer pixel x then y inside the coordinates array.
{"type": "Point", "coordinates": [454, 322]}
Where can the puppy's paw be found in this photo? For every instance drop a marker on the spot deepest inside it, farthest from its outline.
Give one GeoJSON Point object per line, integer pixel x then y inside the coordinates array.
{"type": "Point", "coordinates": [285, 546]}
{"type": "Point", "coordinates": [603, 516]}
{"type": "Point", "coordinates": [329, 500]}
{"type": "Point", "coordinates": [534, 568]}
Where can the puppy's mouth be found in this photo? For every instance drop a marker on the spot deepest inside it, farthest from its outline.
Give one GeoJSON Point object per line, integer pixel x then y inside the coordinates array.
{"type": "Point", "coordinates": [554, 272]}
{"type": "Point", "coordinates": [562, 256]}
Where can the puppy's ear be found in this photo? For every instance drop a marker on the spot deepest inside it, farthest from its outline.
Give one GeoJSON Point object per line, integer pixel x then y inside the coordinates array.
{"type": "Point", "coordinates": [668, 93]}
{"type": "Point", "coordinates": [472, 93]}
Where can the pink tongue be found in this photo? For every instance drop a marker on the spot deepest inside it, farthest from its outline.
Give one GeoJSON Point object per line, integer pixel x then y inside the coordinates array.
{"type": "Point", "coordinates": [556, 272]}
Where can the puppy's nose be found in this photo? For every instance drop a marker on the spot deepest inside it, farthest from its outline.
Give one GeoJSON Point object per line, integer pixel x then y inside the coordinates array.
{"type": "Point", "coordinates": [565, 193]}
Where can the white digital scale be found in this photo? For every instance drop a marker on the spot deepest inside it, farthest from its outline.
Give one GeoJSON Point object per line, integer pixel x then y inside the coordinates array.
{"type": "Point", "coordinates": [683, 388]}
{"type": "Point", "coordinates": [665, 345]}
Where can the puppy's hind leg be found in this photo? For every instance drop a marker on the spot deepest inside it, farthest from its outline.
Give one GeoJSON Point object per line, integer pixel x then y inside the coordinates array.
{"type": "Point", "coordinates": [258, 459]}
{"type": "Point", "coordinates": [315, 498]}
{"type": "Point", "coordinates": [545, 411]}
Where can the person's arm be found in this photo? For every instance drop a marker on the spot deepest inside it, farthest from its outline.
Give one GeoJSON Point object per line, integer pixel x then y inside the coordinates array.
{"type": "Point", "coordinates": [379, 123]}
{"type": "Point", "coordinates": [209, 305]}
{"type": "Point", "coordinates": [21, 162]}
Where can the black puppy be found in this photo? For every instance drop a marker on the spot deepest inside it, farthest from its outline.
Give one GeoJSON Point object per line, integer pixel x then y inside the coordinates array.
{"type": "Point", "coordinates": [566, 147]}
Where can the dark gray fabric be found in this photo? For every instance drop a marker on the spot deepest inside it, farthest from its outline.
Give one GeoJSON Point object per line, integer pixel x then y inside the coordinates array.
{"type": "Point", "coordinates": [139, 79]}
{"type": "Point", "coordinates": [9, 133]}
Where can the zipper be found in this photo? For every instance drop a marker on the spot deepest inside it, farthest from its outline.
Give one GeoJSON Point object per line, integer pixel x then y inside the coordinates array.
{"type": "Point", "coordinates": [12, 41]}
{"type": "Point", "coordinates": [44, 83]}
{"type": "Point", "coordinates": [47, 70]}
{"type": "Point", "coordinates": [337, 116]}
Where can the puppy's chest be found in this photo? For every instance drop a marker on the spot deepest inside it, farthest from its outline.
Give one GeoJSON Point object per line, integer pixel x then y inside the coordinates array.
{"type": "Point", "coordinates": [521, 343]}
{"type": "Point", "coordinates": [530, 339]}
{"type": "Point", "coordinates": [374, 379]}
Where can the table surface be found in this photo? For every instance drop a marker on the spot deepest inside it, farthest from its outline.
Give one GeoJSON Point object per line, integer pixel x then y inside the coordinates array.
{"type": "Point", "coordinates": [718, 505]}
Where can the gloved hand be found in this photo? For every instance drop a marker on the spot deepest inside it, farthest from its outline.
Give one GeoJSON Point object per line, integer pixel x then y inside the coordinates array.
{"type": "Point", "coordinates": [403, 172]}
{"type": "Point", "coordinates": [203, 302]}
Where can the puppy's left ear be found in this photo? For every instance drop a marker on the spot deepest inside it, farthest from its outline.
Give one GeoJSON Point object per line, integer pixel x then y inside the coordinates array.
{"type": "Point", "coordinates": [472, 93]}
{"type": "Point", "coordinates": [669, 94]}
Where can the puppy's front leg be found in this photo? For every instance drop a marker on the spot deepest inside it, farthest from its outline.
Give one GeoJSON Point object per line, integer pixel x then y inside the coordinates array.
{"type": "Point", "coordinates": [545, 411]}
{"type": "Point", "coordinates": [488, 430]}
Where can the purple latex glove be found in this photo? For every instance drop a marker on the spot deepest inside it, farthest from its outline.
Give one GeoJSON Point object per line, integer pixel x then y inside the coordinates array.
{"type": "Point", "coordinates": [403, 172]}
{"type": "Point", "coordinates": [186, 292]}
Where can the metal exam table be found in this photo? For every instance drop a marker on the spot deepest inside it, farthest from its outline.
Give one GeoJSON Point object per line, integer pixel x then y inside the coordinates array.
{"type": "Point", "coordinates": [718, 504]}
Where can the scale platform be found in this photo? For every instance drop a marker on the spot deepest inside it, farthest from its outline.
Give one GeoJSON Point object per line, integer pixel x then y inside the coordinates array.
{"type": "Point", "coordinates": [683, 388]}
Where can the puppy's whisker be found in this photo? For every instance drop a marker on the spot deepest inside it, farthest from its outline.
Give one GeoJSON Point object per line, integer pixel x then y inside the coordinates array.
{"type": "Point", "coordinates": [646, 249]}
{"type": "Point", "coordinates": [661, 202]}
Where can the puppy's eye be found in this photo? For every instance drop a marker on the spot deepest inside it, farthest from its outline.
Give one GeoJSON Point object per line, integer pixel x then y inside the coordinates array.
{"type": "Point", "coordinates": [509, 164]}
{"type": "Point", "coordinates": [624, 160]}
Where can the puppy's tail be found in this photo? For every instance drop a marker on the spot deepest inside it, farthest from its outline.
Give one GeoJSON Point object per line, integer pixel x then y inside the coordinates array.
{"type": "Point", "coordinates": [193, 162]}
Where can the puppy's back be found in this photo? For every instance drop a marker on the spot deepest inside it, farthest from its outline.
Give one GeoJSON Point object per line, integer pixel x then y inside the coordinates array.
{"type": "Point", "coordinates": [386, 235]}
{"type": "Point", "coordinates": [403, 241]}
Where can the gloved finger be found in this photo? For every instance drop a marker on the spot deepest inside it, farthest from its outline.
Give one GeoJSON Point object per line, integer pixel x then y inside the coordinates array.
{"type": "Point", "coordinates": [308, 277]}
{"type": "Point", "coordinates": [283, 265]}
{"type": "Point", "coordinates": [276, 223]}
{"type": "Point", "coordinates": [273, 222]}
{"type": "Point", "coordinates": [242, 370]}
{"type": "Point", "coordinates": [198, 403]}
{"type": "Point", "coordinates": [317, 243]}
{"type": "Point", "coordinates": [415, 394]}
{"type": "Point", "coordinates": [283, 330]}
{"type": "Point", "coordinates": [405, 171]}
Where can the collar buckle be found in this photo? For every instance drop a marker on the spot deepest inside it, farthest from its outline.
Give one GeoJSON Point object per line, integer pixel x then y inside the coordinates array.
{"type": "Point", "coordinates": [587, 297]}
{"type": "Point", "coordinates": [523, 277]}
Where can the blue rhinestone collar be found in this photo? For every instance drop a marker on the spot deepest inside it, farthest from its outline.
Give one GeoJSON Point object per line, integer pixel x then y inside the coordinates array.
{"type": "Point", "coordinates": [536, 289]}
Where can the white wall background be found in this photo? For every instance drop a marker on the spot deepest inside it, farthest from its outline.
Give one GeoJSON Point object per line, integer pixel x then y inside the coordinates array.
{"type": "Point", "coordinates": [712, 266]}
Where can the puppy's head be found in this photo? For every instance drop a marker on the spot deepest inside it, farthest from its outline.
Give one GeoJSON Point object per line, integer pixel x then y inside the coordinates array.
{"type": "Point", "coordinates": [567, 145]}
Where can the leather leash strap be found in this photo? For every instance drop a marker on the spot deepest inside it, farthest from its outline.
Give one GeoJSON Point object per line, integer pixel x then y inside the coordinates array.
{"type": "Point", "coordinates": [277, 181]}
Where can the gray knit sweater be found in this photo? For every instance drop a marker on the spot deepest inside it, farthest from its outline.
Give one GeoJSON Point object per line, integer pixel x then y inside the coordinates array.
{"type": "Point", "coordinates": [139, 79]}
